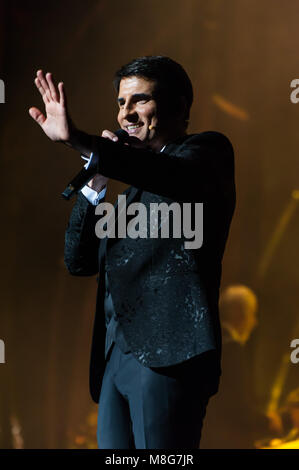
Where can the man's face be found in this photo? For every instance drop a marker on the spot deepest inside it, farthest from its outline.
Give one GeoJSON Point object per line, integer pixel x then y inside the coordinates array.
{"type": "Point", "coordinates": [138, 110]}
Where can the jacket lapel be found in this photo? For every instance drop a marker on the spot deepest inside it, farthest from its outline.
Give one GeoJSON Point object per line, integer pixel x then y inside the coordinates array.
{"type": "Point", "coordinates": [132, 194]}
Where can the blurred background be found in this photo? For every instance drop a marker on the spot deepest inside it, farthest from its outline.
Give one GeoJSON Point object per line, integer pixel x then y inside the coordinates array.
{"type": "Point", "coordinates": [241, 56]}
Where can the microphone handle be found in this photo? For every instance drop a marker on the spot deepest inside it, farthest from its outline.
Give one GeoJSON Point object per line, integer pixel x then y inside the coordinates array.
{"type": "Point", "coordinates": [77, 183]}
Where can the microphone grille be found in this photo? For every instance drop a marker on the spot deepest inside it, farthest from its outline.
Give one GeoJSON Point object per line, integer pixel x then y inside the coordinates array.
{"type": "Point", "coordinates": [122, 135]}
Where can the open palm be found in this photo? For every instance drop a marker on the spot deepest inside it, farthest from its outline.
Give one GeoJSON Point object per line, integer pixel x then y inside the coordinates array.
{"type": "Point", "coordinates": [56, 124]}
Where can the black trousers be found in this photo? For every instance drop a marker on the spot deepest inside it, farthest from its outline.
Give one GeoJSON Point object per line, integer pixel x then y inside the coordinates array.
{"type": "Point", "coordinates": [151, 408]}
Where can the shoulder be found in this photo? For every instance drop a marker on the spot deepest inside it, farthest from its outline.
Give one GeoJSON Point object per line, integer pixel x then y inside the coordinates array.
{"type": "Point", "coordinates": [212, 138]}
{"type": "Point", "coordinates": [207, 139]}
{"type": "Point", "coordinates": [210, 146]}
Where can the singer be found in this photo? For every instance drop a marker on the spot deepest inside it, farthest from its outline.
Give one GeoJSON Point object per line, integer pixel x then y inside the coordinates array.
{"type": "Point", "coordinates": [156, 349]}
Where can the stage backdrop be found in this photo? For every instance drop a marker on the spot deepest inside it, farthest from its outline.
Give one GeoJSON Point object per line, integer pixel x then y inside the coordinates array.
{"type": "Point", "coordinates": [241, 56]}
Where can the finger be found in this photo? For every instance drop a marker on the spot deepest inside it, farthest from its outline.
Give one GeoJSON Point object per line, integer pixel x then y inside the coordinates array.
{"type": "Point", "coordinates": [37, 115]}
{"type": "Point", "coordinates": [52, 87]}
{"type": "Point", "coordinates": [41, 90]}
{"type": "Point", "coordinates": [44, 84]}
{"type": "Point", "coordinates": [62, 96]}
{"type": "Point", "coordinates": [109, 135]}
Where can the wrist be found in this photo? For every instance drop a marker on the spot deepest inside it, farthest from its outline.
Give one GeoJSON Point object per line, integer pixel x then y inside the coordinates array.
{"type": "Point", "coordinates": [80, 141]}
{"type": "Point", "coordinates": [92, 195]}
{"type": "Point", "coordinates": [96, 188]}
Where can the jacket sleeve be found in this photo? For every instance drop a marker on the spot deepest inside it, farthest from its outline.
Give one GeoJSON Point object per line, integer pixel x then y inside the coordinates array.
{"type": "Point", "coordinates": [197, 169]}
{"type": "Point", "coordinates": [81, 243]}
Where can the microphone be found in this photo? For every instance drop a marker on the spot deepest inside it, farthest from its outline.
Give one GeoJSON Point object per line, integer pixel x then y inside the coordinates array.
{"type": "Point", "coordinates": [122, 135]}
{"type": "Point", "coordinates": [85, 175]}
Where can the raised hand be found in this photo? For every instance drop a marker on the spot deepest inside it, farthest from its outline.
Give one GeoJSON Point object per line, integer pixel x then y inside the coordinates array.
{"type": "Point", "coordinates": [56, 124]}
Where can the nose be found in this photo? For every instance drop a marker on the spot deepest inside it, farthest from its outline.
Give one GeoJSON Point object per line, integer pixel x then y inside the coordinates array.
{"type": "Point", "coordinates": [129, 113]}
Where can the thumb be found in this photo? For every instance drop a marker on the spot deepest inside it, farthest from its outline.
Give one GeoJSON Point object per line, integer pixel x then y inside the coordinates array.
{"type": "Point", "coordinates": [37, 115]}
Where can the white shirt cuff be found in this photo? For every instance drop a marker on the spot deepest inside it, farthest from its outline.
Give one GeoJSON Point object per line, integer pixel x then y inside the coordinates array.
{"type": "Point", "coordinates": [93, 196]}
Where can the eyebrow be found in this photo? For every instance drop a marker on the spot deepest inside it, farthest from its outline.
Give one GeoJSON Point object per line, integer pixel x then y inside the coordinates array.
{"type": "Point", "coordinates": [136, 96]}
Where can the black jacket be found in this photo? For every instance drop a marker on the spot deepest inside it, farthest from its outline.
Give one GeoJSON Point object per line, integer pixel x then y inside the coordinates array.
{"type": "Point", "coordinates": [165, 296]}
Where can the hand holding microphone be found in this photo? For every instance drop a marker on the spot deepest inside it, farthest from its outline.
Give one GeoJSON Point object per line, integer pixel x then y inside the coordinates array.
{"type": "Point", "coordinates": [89, 175]}
{"type": "Point", "coordinates": [98, 182]}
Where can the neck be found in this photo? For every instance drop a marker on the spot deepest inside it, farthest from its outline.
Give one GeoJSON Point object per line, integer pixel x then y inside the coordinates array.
{"type": "Point", "coordinates": [163, 139]}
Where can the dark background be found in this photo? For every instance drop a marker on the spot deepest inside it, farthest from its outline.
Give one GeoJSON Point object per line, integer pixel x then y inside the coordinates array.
{"type": "Point", "coordinates": [241, 56]}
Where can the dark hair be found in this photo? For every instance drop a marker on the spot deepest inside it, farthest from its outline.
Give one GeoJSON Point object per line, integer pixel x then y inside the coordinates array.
{"type": "Point", "coordinates": [172, 82]}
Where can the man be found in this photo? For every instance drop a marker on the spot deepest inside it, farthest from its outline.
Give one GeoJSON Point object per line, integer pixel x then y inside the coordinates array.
{"type": "Point", "coordinates": [238, 313]}
{"type": "Point", "coordinates": [157, 299]}
{"type": "Point", "coordinates": [233, 411]}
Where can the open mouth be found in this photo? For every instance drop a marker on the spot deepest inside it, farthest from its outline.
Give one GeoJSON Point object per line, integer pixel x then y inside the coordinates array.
{"type": "Point", "coordinates": [133, 128]}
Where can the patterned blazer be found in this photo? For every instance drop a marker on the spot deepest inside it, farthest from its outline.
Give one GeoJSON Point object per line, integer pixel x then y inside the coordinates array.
{"type": "Point", "coordinates": [165, 295]}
